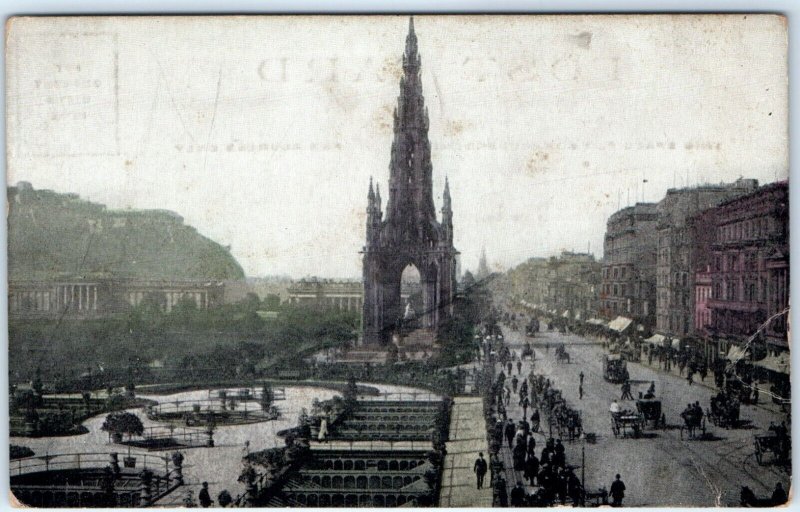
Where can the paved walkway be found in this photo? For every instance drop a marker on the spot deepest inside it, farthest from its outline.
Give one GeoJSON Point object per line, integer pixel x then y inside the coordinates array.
{"type": "Point", "coordinates": [467, 439]}
{"type": "Point", "coordinates": [514, 411]}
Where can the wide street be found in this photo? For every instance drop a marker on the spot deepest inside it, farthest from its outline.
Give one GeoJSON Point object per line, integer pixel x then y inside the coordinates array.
{"type": "Point", "coordinates": [659, 468]}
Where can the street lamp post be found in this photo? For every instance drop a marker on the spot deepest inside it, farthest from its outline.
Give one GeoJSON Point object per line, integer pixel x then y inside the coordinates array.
{"type": "Point", "coordinates": [583, 473]}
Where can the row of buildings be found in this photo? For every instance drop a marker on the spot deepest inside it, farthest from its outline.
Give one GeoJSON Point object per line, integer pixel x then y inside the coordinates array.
{"type": "Point", "coordinates": [567, 284]}
{"type": "Point", "coordinates": [102, 296]}
{"type": "Point", "coordinates": [705, 262]}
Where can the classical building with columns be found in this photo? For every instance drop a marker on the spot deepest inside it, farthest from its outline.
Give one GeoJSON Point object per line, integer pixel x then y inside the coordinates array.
{"type": "Point", "coordinates": [96, 298]}
{"type": "Point", "coordinates": [327, 294]}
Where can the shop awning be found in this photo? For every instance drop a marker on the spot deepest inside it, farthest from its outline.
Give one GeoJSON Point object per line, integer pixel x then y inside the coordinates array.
{"type": "Point", "coordinates": [577, 315]}
{"type": "Point", "coordinates": [596, 321]}
{"type": "Point", "coordinates": [736, 353]}
{"type": "Point", "coordinates": [779, 363]}
{"type": "Point", "coordinates": [619, 324]}
{"type": "Point", "coordinates": [656, 339]}
{"type": "Point", "coordinates": [566, 314]}
{"type": "Point", "coordinates": [676, 344]}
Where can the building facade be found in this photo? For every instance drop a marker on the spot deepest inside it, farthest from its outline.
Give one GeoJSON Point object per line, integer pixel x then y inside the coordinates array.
{"type": "Point", "coordinates": [675, 307]}
{"type": "Point", "coordinates": [702, 298]}
{"type": "Point", "coordinates": [327, 294]}
{"type": "Point", "coordinates": [86, 298]}
{"type": "Point", "coordinates": [409, 234]}
{"type": "Point", "coordinates": [629, 264]}
{"type": "Point", "coordinates": [750, 269]}
{"type": "Point", "coordinates": [569, 283]}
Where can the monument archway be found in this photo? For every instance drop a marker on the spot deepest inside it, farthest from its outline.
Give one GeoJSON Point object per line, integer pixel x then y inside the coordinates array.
{"type": "Point", "coordinates": [409, 233]}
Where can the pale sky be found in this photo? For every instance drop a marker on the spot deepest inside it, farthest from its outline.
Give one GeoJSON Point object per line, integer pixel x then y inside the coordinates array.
{"type": "Point", "coordinates": [263, 132]}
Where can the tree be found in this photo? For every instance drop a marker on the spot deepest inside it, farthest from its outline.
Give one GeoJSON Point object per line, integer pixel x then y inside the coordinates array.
{"type": "Point", "coordinates": [119, 423]}
{"type": "Point", "coordinates": [272, 302]}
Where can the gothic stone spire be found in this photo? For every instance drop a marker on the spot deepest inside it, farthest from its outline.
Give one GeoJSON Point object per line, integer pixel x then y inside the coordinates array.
{"type": "Point", "coordinates": [410, 205]}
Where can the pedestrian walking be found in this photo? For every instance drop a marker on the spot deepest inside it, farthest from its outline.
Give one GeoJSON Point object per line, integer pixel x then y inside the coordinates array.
{"type": "Point", "coordinates": [514, 382]}
{"type": "Point", "coordinates": [581, 377]}
{"type": "Point", "coordinates": [204, 497]}
{"type": "Point", "coordinates": [510, 432]}
{"type": "Point", "coordinates": [531, 445]}
{"type": "Point", "coordinates": [626, 391]}
{"type": "Point", "coordinates": [519, 367]}
{"type": "Point", "coordinates": [580, 391]}
{"type": "Point", "coordinates": [510, 367]}
{"type": "Point", "coordinates": [535, 420]}
{"type": "Point", "coordinates": [531, 467]}
{"type": "Point", "coordinates": [617, 492]}
{"type": "Point", "coordinates": [480, 469]}
{"type": "Point", "coordinates": [690, 376]}
{"type": "Point", "coordinates": [547, 347]}
{"type": "Point", "coordinates": [525, 404]}
{"type": "Point", "coordinates": [518, 453]}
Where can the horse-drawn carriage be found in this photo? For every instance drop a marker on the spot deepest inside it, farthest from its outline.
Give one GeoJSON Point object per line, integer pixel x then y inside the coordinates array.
{"type": "Point", "coordinates": [532, 328]}
{"type": "Point", "coordinates": [567, 421]}
{"type": "Point", "coordinates": [738, 389]}
{"type": "Point", "coordinates": [773, 446]}
{"type": "Point", "coordinates": [651, 411]}
{"type": "Point", "coordinates": [627, 423]}
{"type": "Point", "coordinates": [693, 421]}
{"type": "Point", "coordinates": [562, 356]}
{"type": "Point", "coordinates": [615, 369]}
{"type": "Point", "coordinates": [527, 351]}
{"type": "Point", "coordinates": [724, 411]}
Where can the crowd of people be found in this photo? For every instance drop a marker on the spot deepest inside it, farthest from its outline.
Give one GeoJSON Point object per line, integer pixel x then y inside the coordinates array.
{"type": "Point", "coordinates": [545, 470]}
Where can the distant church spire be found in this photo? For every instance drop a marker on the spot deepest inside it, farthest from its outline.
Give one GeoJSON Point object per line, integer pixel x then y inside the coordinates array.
{"type": "Point", "coordinates": [483, 268]}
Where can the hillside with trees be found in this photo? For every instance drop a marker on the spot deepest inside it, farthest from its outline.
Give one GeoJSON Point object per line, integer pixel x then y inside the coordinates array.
{"type": "Point", "coordinates": [52, 235]}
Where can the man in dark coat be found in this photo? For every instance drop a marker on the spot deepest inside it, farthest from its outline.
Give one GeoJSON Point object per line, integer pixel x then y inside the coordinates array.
{"type": "Point", "coordinates": [204, 498]}
{"type": "Point", "coordinates": [531, 445]}
{"type": "Point", "coordinates": [518, 455]}
{"type": "Point", "coordinates": [525, 403]}
{"type": "Point", "coordinates": [531, 467]}
{"type": "Point", "coordinates": [518, 497]}
{"type": "Point", "coordinates": [510, 432]}
{"type": "Point", "coordinates": [779, 495]}
{"type": "Point", "coordinates": [617, 492]}
{"type": "Point", "coordinates": [574, 488]}
{"type": "Point", "coordinates": [560, 457]}
{"type": "Point", "coordinates": [480, 469]}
